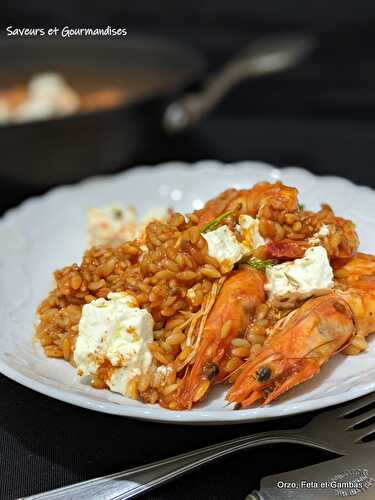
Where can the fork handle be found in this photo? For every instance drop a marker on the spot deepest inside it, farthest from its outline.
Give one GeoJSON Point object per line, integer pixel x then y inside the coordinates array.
{"type": "Point", "coordinates": [132, 482]}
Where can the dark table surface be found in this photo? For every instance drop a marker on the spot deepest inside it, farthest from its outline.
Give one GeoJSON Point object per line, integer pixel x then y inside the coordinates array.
{"type": "Point", "coordinates": [320, 117]}
{"type": "Point", "coordinates": [45, 443]}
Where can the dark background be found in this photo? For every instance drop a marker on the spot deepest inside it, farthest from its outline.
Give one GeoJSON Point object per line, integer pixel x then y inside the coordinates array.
{"type": "Point", "coordinates": [320, 116]}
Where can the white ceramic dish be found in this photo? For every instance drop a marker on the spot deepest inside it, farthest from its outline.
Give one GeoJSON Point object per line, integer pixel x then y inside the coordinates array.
{"type": "Point", "coordinates": [48, 232]}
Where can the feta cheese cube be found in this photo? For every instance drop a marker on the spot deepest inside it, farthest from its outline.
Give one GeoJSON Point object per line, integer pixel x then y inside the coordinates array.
{"type": "Point", "coordinates": [224, 247]}
{"type": "Point", "coordinates": [301, 278]}
{"type": "Point", "coordinates": [249, 229]}
{"type": "Point", "coordinates": [115, 331]}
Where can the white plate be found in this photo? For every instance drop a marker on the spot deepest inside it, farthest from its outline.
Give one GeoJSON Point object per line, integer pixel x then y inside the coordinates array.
{"type": "Point", "coordinates": [48, 232]}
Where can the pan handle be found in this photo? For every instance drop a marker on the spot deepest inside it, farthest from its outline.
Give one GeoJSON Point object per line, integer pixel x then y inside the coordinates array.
{"type": "Point", "coordinates": [264, 56]}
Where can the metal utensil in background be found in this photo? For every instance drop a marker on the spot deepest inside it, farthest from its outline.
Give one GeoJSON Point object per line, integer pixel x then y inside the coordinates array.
{"type": "Point", "coordinates": [333, 430]}
{"type": "Point", "coordinates": [264, 56]}
{"type": "Point", "coordinates": [66, 149]}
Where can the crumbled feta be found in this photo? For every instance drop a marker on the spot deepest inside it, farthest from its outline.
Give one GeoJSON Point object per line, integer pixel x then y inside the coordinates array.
{"type": "Point", "coordinates": [317, 237]}
{"type": "Point", "coordinates": [115, 331]}
{"type": "Point", "coordinates": [112, 224]}
{"type": "Point", "coordinates": [223, 246]}
{"type": "Point", "coordinates": [323, 231]}
{"type": "Point", "coordinates": [249, 229]}
{"type": "Point", "coordinates": [48, 94]}
{"type": "Point", "coordinates": [33, 109]}
{"type": "Point", "coordinates": [162, 373]}
{"type": "Point", "coordinates": [190, 294]}
{"type": "Point", "coordinates": [301, 278]}
{"type": "Point", "coordinates": [156, 213]}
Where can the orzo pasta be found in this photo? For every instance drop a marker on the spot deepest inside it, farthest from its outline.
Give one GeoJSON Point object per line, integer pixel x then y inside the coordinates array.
{"type": "Point", "coordinates": [204, 281]}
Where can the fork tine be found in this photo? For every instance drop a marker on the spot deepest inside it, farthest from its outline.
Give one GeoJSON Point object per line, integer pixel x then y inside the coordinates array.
{"type": "Point", "coordinates": [352, 422]}
{"type": "Point", "coordinates": [349, 408]}
{"type": "Point", "coordinates": [365, 432]}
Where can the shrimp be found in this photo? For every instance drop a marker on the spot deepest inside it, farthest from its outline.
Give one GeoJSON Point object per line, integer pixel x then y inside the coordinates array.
{"type": "Point", "coordinates": [356, 270]}
{"type": "Point", "coordinates": [252, 201]}
{"type": "Point", "coordinates": [295, 350]}
{"type": "Point", "coordinates": [233, 311]}
{"type": "Point", "coordinates": [358, 275]}
{"type": "Point", "coordinates": [308, 337]}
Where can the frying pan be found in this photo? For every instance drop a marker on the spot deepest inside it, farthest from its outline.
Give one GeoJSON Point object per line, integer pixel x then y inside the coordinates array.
{"type": "Point", "coordinates": [155, 75]}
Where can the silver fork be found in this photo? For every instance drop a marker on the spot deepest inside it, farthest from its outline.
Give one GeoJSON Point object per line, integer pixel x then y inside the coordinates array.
{"type": "Point", "coordinates": [333, 430]}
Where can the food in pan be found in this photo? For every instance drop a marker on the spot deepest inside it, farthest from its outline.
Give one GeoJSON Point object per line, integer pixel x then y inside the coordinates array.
{"type": "Point", "coordinates": [253, 290]}
{"type": "Point", "coordinates": [49, 95]}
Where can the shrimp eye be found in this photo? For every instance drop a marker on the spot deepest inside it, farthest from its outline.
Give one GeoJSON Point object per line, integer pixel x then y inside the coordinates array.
{"type": "Point", "coordinates": [237, 406]}
{"type": "Point", "coordinates": [210, 371]}
{"type": "Point", "coordinates": [263, 374]}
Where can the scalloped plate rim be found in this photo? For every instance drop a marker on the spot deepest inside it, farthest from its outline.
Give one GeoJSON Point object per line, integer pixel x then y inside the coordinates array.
{"type": "Point", "coordinates": [154, 413]}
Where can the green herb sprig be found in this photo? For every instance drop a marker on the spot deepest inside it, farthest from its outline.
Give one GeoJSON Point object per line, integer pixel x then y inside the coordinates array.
{"type": "Point", "coordinates": [260, 264]}
{"type": "Point", "coordinates": [214, 223]}
{"type": "Point", "coordinates": [301, 207]}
